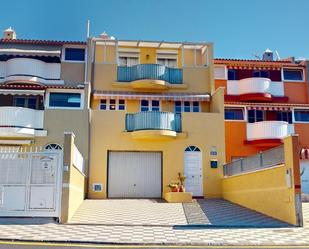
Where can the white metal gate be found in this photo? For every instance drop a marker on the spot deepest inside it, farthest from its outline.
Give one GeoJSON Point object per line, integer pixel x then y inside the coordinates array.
{"type": "Point", "coordinates": [30, 183]}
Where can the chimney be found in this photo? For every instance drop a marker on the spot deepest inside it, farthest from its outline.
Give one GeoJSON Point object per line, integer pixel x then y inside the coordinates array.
{"type": "Point", "coordinates": [268, 55]}
{"type": "Point", "coordinates": [104, 36]}
{"type": "Point", "coordinates": [9, 34]}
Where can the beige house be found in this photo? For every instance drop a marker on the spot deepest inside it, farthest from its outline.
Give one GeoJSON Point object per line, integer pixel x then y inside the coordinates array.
{"type": "Point", "coordinates": [43, 95]}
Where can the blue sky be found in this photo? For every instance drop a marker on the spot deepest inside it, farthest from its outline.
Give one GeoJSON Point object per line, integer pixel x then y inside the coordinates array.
{"type": "Point", "coordinates": [238, 28]}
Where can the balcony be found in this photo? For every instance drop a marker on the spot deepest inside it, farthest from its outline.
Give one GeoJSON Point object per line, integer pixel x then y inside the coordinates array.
{"type": "Point", "coordinates": [268, 133]}
{"type": "Point", "coordinates": [150, 76]}
{"type": "Point", "coordinates": [26, 69]}
{"type": "Point", "coordinates": [19, 122]}
{"type": "Point", "coordinates": [257, 89]}
{"type": "Point", "coordinates": [153, 125]}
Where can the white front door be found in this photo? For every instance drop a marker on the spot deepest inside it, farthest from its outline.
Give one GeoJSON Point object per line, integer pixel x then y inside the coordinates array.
{"type": "Point", "coordinates": [193, 171]}
{"type": "Point", "coordinates": [134, 175]}
{"type": "Point", "coordinates": [304, 172]}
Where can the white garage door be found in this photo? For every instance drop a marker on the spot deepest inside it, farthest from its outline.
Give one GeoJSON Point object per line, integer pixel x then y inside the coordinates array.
{"type": "Point", "coordinates": [304, 171]}
{"type": "Point", "coordinates": [134, 175]}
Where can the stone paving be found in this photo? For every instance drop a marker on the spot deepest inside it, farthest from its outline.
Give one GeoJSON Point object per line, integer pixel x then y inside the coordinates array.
{"type": "Point", "coordinates": [127, 234]}
{"type": "Point", "coordinates": [129, 212]}
{"type": "Point", "coordinates": [218, 212]}
{"type": "Point", "coordinates": [215, 212]}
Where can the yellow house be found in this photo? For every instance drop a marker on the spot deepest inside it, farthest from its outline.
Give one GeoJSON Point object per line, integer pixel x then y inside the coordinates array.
{"type": "Point", "coordinates": [154, 113]}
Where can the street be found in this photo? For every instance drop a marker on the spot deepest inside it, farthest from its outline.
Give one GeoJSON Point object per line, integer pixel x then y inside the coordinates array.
{"type": "Point", "coordinates": [38, 245]}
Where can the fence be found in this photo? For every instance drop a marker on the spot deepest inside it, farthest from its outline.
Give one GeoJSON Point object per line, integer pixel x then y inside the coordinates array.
{"type": "Point", "coordinates": [30, 183]}
{"type": "Point", "coordinates": [153, 120]}
{"type": "Point", "coordinates": [149, 71]}
{"type": "Point", "coordinates": [261, 160]}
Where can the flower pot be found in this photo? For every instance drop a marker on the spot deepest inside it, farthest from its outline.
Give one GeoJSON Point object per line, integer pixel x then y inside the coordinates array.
{"type": "Point", "coordinates": [175, 189]}
{"type": "Point", "coordinates": [182, 188]}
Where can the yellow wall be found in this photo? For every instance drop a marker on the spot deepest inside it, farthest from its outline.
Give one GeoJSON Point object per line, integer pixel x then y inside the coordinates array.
{"type": "Point", "coordinates": [76, 191]}
{"type": "Point", "coordinates": [73, 182]}
{"type": "Point", "coordinates": [266, 190]}
{"type": "Point", "coordinates": [203, 130]}
{"type": "Point", "coordinates": [152, 55]}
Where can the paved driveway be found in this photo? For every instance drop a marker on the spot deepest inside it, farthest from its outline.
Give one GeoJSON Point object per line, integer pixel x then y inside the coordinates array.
{"type": "Point", "coordinates": [214, 212]}
{"type": "Point", "coordinates": [130, 212]}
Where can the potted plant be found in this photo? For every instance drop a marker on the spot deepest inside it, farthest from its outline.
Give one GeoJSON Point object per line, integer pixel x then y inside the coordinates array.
{"type": "Point", "coordinates": [174, 186]}
{"type": "Point", "coordinates": [181, 178]}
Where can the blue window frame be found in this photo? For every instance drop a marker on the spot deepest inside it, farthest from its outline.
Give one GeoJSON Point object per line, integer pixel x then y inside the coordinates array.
{"type": "Point", "coordinates": [74, 54]}
{"type": "Point", "coordinates": [234, 114]}
{"type": "Point", "coordinates": [72, 100]}
{"type": "Point", "coordinates": [285, 116]}
{"type": "Point", "coordinates": [293, 74]}
{"type": "Point", "coordinates": [301, 115]}
{"type": "Point", "coordinates": [261, 73]}
{"type": "Point", "coordinates": [255, 116]}
{"type": "Point", "coordinates": [231, 74]}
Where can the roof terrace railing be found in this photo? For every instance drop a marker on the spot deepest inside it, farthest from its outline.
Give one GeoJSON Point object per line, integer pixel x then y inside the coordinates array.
{"type": "Point", "coordinates": [149, 71]}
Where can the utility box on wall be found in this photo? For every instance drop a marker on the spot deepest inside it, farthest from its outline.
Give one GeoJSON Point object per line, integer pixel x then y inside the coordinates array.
{"type": "Point", "coordinates": [213, 163]}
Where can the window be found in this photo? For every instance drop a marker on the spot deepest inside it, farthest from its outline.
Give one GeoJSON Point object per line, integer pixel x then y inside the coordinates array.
{"type": "Point", "coordinates": [231, 74]}
{"type": "Point", "coordinates": [301, 115]}
{"type": "Point", "coordinates": [192, 148]}
{"type": "Point", "coordinates": [255, 116]}
{"type": "Point", "coordinates": [167, 62]}
{"type": "Point", "coordinates": [187, 106]}
{"type": "Point", "coordinates": [74, 54]}
{"type": "Point", "coordinates": [112, 104]}
{"type": "Point", "coordinates": [285, 116]}
{"type": "Point", "coordinates": [128, 61]}
{"type": "Point", "coordinates": [27, 102]}
{"type": "Point", "coordinates": [260, 73]}
{"type": "Point", "coordinates": [52, 147]}
{"type": "Point", "coordinates": [72, 100]}
{"type": "Point", "coordinates": [150, 105]}
{"type": "Point", "coordinates": [234, 114]}
{"type": "Point", "coordinates": [292, 74]}
{"type": "Point", "coordinates": [128, 58]}
{"type": "Point", "coordinates": [220, 72]}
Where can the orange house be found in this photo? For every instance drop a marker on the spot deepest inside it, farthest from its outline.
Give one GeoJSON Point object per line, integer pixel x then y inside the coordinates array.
{"type": "Point", "coordinates": [265, 101]}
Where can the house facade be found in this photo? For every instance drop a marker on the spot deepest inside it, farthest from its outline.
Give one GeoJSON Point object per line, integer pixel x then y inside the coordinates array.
{"type": "Point", "coordinates": [265, 101]}
{"type": "Point", "coordinates": [43, 95]}
{"type": "Point", "coordinates": [154, 113]}
{"type": "Point", "coordinates": [42, 92]}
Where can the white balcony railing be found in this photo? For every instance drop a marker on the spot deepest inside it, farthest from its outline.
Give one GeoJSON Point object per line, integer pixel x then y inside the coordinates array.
{"type": "Point", "coordinates": [30, 69]}
{"type": "Point", "coordinates": [21, 122]}
{"type": "Point", "coordinates": [21, 117]}
{"type": "Point", "coordinates": [269, 130]}
{"type": "Point", "coordinates": [255, 85]}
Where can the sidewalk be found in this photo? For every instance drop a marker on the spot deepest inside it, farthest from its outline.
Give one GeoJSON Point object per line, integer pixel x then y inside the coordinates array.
{"type": "Point", "coordinates": [175, 235]}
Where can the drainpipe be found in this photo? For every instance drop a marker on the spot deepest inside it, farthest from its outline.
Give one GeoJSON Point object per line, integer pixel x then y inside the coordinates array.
{"type": "Point", "coordinates": [307, 79]}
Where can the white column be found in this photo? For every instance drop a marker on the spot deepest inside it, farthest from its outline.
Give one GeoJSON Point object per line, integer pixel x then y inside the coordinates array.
{"type": "Point", "coordinates": [104, 60]}
{"type": "Point", "coordinates": [183, 55]}
{"type": "Point", "coordinates": [293, 117]}
{"type": "Point", "coordinates": [194, 56]}
{"type": "Point", "coordinates": [117, 53]}
{"type": "Point", "coordinates": [206, 54]}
